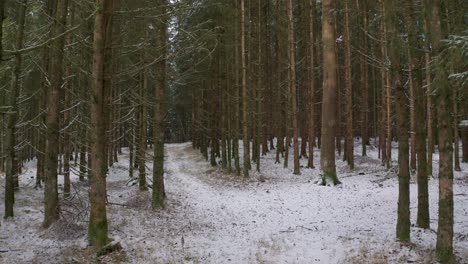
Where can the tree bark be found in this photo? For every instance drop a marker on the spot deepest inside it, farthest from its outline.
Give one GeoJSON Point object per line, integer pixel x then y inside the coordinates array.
{"type": "Point", "coordinates": [160, 111]}
{"type": "Point", "coordinates": [365, 82]}
{"type": "Point", "coordinates": [444, 245]}
{"type": "Point", "coordinates": [456, 135]}
{"type": "Point", "coordinates": [327, 161]}
{"type": "Point", "coordinates": [349, 142]}
{"type": "Point", "coordinates": [97, 228]}
{"type": "Point", "coordinates": [464, 135]}
{"type": "Point", "coordinates": [10, 140]}
{"type": "Point", "coordinates": [143, 128]}
{"type": "Point", "coordinates": [292, 74]}
{"type": "Point", "coordinates": [51, 211]}
{"type": "Point", "coordinates": [394, 45]}
{"type": "Point", "coordinates": [312, 84]}
{"type": "Point", "coordinates": [245, 128]}
{"type": "Point", "coordinates": [429, 106]}
{"type": "Point", "coordinates": [415, 57]}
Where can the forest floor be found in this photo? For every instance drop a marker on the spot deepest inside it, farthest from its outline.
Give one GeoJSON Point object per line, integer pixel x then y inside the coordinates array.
{"type": "Point", "coordinates": [215, 217]}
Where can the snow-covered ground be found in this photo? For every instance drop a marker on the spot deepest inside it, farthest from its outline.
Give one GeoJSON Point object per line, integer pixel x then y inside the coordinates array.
{"type": "Point", "coordinates": [213, 217]}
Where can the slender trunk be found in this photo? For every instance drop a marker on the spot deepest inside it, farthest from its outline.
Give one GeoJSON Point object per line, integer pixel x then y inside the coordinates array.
{"type": "Point", "coordinates": [67, 90]}
{"type": "Point", "coordinates": [394, 45]}
{"type": "Point", "coordinates": [456, 135]}
{"type": "Point", "coordinates": [235, 143]}
{"type": "Point", "coordinates": [412, 115]}
{"type": "Point", "coordinates": [51, 212]}
{"type": "Point", "coordinates": [419, 126]}
{"type": "Point", "coordinates": [160, 111]}
{"type": "Point", "coordinates": [430, 133]}
{"type": "Point", "coordinates": [292, 74]}
{"type": "Point", "coordinates": [66, 138]}
{"type": "Point", "coordinates": [143, 128]}
{"type": "Point", "coordinates": [97, 228]}
{"type": "Point", "coordinates": [312, 85]}
{"type": "Point", "coordinates": [444, 245]}
{"type": "Point", "coordinates": [383, 104]}
{"type": "Point", "coordinates": [245, 128]}
{"type": "Point", "coordinates": [365, 82]}
{"type": "Point", "coordinates": [349, 142]}
{"type": "Point", "coordinates": [10, 140]}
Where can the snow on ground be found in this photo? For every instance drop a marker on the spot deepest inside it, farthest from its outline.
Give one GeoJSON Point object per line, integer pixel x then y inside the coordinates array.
{"type": "Point", "coordinates": [213, 217]}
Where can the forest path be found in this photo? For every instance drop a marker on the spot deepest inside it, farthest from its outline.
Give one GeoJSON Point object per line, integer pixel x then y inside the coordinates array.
{"type": "Point", "coordinates": [287, 222]}
{"type": "Point", "coordinates": [215, 217]}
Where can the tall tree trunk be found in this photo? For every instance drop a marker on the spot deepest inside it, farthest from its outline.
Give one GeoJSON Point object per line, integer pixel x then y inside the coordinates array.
{"type": "Point", "coordinates": [444, 246]}
{"type": "Point", "coordinates": [349, 142]}
{"type": "Point", "coordinates": [412, 100]}
{"type": "Point", "coordinates": [245, 128]}
{"type": "Point", "coordinates": [67, 93]}
{"type": "Point", "coordinates": [97, 228]}
{"type": "Point", "coordinates": [51, 204]}
{"type": "Point", "coordinates": [394, 45]}
{"type": "Point", "coordinates": [456, 135]}
{"type": "Point", "coordinates": [292, 74]}
{"type": "Point", "coordinates": [415, 57]}
{"type": "Point", "coordinates": [383, 104]}
{"type": "Point", "coordinates": [10, 141]}
{"type": "Point", "coordinates": [311, 115]}
{"type": "Point", "coordinates": [66, 136]}
{"type": "Point", "coordinates": [365, 82]}
{"type": "Point", "coordinates": [236, 95]}
{"type": "Point", "coordinates": [327, 151]}
{"type": "Point", "coordinates": [143, 128]}
{"type": "Point", "coordinates": [160, 111]}
{"type": "Point", "coordinates": [430, 115]}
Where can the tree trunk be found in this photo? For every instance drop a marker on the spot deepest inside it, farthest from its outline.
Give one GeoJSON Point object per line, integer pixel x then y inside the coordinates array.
{"type": "Point", "coordinates": [292, 74]}
{"type": "Point", "coordinates": [97, 228]}
{"type": "Point", "coordinates": [245, 128]}
{"type": "Point", "coordinates": [66, 93]}
{"type": "Point", "coordinates": [235, 140]}
{"type": "Point", "coordinates": [456, 135]}
{"type": "Point", "coordinates": [143, 128]}
{"type": "Point", "coordinates": [415, 57]}
{"type": "Point", "coordinates": [51, 211]}
{"type": "Point", "coordinates": [311, 116]}
{"type": "Point", "coordinates": [327, 162]}
{"type": "Point", "coordinates": [10, 140]}
{"type": "Point", "coordinates": [444, 245]}
{"type": "Point", "coordinates": [464, 135]}
{"type": "Point", "coordinates": [394, 45]}
{"type": "Point", "coordinates": [412, 113]}
{"type": "Point", "coordinates": [349, 142]}
{"type": "Point", "coordinates": [365, 82]}
{"type": "Point", "coordinates": [430, 133]}
{"type": "Point", "coordinates": [160, 111]}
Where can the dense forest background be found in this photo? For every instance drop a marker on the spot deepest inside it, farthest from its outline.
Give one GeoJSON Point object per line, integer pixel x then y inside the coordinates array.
{"type": "Point", "coordinates": [85, 82]}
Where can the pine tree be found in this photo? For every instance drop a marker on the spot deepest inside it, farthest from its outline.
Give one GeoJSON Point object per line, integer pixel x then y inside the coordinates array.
{"type": "Point", "coordinates": [327, 151]}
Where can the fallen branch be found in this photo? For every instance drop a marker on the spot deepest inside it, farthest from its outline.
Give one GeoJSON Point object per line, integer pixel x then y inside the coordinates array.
{"type": "Point", "coordinates": [119, 204]}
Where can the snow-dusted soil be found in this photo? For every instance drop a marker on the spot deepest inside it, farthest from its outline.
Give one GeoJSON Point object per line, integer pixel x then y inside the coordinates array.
{"type": "Point", "coordinates": [214, 217]}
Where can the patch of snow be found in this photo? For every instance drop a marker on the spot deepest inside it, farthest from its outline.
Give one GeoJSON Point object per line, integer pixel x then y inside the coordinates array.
{"type": "Point", "coordinates": [213, 217]}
